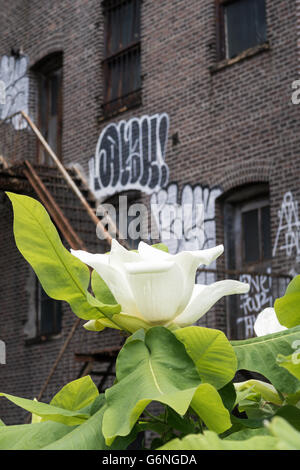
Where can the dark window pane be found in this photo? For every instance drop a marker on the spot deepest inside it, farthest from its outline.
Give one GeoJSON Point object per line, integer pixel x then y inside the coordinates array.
{"type": "Point", "coordinates": [266, 232]}
{"type": "Point", "coordinates": [245, 24]}
{"type": "Point", "coordinates": [50, 105]}
{"type": "Point", "coordinates": [251, 236]}
{"type": "Point", "coordinates": [50, 314]}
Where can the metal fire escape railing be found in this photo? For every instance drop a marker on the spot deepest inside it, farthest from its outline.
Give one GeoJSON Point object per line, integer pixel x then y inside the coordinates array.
{"type": "Point", "coordinates": [59, 217]}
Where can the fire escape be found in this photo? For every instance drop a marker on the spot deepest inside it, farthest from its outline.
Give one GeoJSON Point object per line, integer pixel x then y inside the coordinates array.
{"type": "Point", "coordinates": [72, 206]}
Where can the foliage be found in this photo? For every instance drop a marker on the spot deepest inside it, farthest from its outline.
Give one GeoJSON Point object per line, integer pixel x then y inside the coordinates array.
{"type": "Point", "coordinates": [190, 372]}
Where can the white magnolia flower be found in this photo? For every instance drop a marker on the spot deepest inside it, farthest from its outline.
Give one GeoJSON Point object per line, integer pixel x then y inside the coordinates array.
{"type": "Point", "coordinates": [157, 287]}
{"type": "Point", "coordinates": [267, 323]}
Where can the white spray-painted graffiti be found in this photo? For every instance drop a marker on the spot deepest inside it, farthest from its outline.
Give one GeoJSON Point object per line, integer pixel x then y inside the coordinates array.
{"type": "Point", "coordinates": [131, 155]}
{"type": "Point", "coordinates": [251, 304]}
{"type": "Point", "coordinates": [289, 226]}
{"type": "Point", "coordinates": [187, 222]}
{"type": "Point", "coordinates": [13, 75]}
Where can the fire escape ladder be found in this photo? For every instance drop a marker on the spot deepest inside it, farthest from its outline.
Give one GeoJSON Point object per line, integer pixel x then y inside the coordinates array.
{"type": "Point", "coordinates": [52, 207]}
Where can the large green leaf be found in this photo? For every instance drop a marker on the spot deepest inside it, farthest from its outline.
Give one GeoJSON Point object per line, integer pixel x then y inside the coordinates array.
{"type": "Point", "coordinates": [155, 366]}
{"type": "Point", "coordinates": [76, 395]}
{"type": "Point", "coordinates": [32, 436]}
{"type": "Point", "coordinates": [288, 437]}
{"type": "Point", "coordinates": [259, 355]}
{"type": "Point", "coordinates": [287, 308]}
{"type": "Point", "coordinates": [88, 436]}
{"type": "Point", "coordinates": [62, 275]}
{"type": "Point", "coordinates": [210, 441]}
{"type": "Point", "coordinates": [49, 412]}
{"type": "Point", "coordinates": [211, 352]}
{"type": "Point", "coordinates": [290, 363]}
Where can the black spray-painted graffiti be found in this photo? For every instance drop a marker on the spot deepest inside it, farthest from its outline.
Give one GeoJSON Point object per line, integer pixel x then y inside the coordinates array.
{"type": "Point", "coordinates": [15, 91]}
{"type": "Point", "coordinates": [257, 299]}
{"type": "Point", "coordinates": [131, 155]}
{"type": "Point", "coordinates": [289, 226]}
{"type": "Point", "coordinates": [187, 221]}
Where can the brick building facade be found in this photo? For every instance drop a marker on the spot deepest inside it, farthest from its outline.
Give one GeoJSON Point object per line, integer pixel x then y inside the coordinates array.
{"type": "Point", "coordinates": [198, 94]}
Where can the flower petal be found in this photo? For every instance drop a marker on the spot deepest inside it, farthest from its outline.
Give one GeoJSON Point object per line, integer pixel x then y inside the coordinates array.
{"type": "Point", "coordinates": [204, 297]}
{"type": "Point", "coordinates": [119, 255]}
{"type": "Point", "coordinates": [157, 289]}
{"type": "Point", "coordinates": [189, 261]}
{"type": "Point", "coordinates": [267, 323]}
{"type": "Point", "coordinates": [114, 278]}
{"type": "Point", "coordinates": [148, 252]}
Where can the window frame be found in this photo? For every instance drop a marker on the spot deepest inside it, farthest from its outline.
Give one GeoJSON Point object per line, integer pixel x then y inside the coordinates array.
{"type": "Point", "coordinates": [128, 100]}
{"type": "Point", "coordinates": [255, 204]}
{"type": "Point", "coordinates": [43, 71]}
{"type": "Point", "coordinates": [221, 42]}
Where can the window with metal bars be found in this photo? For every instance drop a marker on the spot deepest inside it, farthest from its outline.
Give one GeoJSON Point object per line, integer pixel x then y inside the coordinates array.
{"type": "Point", "coordinates": [122, 55]}
{"type": "Point", "coordinates": [241, 25]}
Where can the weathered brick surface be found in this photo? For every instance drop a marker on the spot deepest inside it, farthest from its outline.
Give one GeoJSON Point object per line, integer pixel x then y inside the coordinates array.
{"type": "Point", "coordinates": [236, 126]}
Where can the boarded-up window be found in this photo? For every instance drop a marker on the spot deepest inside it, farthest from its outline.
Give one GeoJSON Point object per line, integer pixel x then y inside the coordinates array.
{"type": "Point", "coordinates": [122, 68]}
{"type": "Point", "coordinates": [241, 26]}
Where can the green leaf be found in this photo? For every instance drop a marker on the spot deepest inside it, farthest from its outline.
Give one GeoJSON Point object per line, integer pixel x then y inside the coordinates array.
{"type": "Point", "coordinates": [288, 437]}
{"type": "Point", "coordinates": [101, 290]}
{"type": "Point", "coordinates": [88, 436]}
{"type": "Point", "coordinates": [48, 412]}
{"type": "Point", "coordinates": [76, 395]}
{"type": "Point", "coordinates": [287, 308]}
{"type": "Point", "coordinates": [210, 441]}
{"type": "Point", "coordinates": [161, 246]}
{"type": "Point", "coordinates": [265, 390]}
{"type": "Point", "coordinates": [153, 366]}
{"type": "Point", "coordinates": [259, 355]}
{"type": "Point", "coordinates": [291, 414]}
{"type": "Point", "coordinates": [228, 396]}
{"type": "Point", "coordinates": [124, 321]}
{"type": "Point", "coordinates": [181, 423]}
{"type": "Point", "coordinates": [247, 434]}
{"type": "Point", "coordinates": [62, 275]}
{"type": "Point", "coordinates": [290, 363]}
{"type": "Point", "coordinates": [31, 436]}
{"type": "Point", "coordinates": [209, 406]}
{"type": "Point", "coordinates": [211, 352]}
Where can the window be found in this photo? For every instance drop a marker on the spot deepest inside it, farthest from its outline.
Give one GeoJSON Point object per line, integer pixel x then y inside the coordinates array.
{"type": "Point", "coordinates": [44, 317]}
{"type": "Point", "coordinates": [241, 26]}
{"type": "Point", "coordinates": [49, 313]}
{"type": "Point", "coordinates": [49, 74]}
{"type": "Point", "coordinates": [121, 66]}
{"type": "Point", "coordinates": [255, 222]}
{"type": "Point", "coordinates": [247, 228]}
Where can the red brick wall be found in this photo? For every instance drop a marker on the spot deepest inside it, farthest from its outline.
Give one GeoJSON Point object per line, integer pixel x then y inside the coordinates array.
{"type": "Point", "coordinates": [236, 125]}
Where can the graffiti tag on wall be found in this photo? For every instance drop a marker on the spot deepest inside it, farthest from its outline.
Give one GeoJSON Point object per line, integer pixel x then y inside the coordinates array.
{"type": "Point", "coordinates": [253, 302]}
{"type": "Point", "coordinates": [289, 227]}
{"type": "Point", "coordinates": [16, 89]}
{"type": "Point", "coordinates": [186, 221]}
{"type": "Point", "coordinates": [131, 155]}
